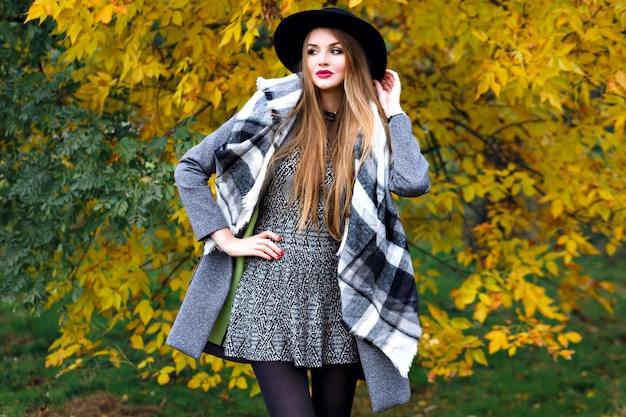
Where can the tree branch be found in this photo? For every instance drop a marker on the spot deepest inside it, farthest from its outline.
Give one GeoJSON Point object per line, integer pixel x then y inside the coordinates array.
{"type": "Point", "coordinates": [440, 261]}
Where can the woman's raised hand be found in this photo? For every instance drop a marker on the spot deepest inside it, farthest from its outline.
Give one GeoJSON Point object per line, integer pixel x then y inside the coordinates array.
{"type": "Point", "coordinates": [389, 90]}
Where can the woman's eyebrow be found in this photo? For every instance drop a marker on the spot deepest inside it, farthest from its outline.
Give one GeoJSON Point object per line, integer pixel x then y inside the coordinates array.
{"type": "Point", "coordinates": [331, 44]}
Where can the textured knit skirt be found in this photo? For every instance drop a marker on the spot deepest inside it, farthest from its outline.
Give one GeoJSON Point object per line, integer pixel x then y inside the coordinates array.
{"type": "Point", "coordinates": [290, 309]}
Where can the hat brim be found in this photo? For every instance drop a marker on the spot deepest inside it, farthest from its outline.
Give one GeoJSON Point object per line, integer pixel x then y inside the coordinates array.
{"type": "Point", "coordinates": [292, 31]}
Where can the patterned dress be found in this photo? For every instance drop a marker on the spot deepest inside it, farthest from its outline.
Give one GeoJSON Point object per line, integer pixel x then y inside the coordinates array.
{"type": "Point", "coordinates": [290, 309]}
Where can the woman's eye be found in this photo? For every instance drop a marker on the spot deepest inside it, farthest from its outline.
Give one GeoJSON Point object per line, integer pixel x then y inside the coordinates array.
{"type": "Point", "coordinates": [336, 51]}
{"type": "Point", "coordinates": [311, 52]}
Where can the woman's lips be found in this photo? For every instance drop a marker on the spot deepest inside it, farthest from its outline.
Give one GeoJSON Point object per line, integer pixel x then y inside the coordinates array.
{"type": "Point", "coordinates": [323, 74]}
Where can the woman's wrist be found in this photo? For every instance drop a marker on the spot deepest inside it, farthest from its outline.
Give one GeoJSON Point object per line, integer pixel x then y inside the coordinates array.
{"type": "Point", "coordinates": [393, 110]}
{"type": "Point", "coordinates": [222, 236]}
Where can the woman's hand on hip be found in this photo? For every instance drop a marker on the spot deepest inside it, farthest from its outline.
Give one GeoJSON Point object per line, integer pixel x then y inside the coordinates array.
{"type": "Point", "coordinates": [262, 245]}
{"type": "Point", "coordinates": [389, 90]}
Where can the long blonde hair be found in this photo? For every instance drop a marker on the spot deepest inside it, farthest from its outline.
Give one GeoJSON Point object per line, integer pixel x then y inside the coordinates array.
{"type": "Point", "coordinates": [310, 135]}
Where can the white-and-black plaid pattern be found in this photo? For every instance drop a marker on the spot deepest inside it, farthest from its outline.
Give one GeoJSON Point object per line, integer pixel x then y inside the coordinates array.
{"type": "Point", "coordinates": [376, 275]}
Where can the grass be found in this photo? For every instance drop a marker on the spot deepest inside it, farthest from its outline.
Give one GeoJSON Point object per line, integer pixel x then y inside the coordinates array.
{"type": "Point", "coordinates": [27, 388]}
{"type": "Point", "coordinates": [592, 384]}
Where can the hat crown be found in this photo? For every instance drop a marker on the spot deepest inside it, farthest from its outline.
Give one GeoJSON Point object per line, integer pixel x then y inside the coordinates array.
{"type": "Point", "coordinates": [337, 10]}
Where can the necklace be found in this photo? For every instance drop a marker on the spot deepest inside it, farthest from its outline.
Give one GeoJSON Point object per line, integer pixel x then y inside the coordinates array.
{"type": "Point", "coordinates": [330, 116]}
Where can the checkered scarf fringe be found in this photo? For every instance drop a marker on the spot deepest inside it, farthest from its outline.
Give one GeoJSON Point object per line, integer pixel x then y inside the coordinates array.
{"type": "Point", "coordinates": [376, 279]}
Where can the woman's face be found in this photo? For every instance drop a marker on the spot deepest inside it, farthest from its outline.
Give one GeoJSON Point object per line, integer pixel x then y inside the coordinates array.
{"type": "Point", "coordinates": [325, 60]}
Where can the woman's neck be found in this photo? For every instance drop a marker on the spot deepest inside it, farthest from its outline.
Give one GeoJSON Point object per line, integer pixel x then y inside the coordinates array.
{"type": "Point", "coordinates": [331, 100]}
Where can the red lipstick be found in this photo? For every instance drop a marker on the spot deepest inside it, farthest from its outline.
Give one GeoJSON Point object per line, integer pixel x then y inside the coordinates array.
{"type": "Point", "coordinates": [323, 73]}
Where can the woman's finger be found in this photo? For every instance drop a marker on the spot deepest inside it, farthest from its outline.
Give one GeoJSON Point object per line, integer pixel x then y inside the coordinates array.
{"type": "Point", "coordinates": [264, 244]}
{"type": "Point", "coordinates": [268, 234]}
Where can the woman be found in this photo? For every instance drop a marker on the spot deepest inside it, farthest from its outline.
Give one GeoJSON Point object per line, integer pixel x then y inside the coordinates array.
{"type": "Point", "coordinates": [328, 284]}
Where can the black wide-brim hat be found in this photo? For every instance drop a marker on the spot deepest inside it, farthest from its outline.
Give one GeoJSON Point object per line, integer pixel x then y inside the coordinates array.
{"type": "Point", "coordinates": [291, 32]}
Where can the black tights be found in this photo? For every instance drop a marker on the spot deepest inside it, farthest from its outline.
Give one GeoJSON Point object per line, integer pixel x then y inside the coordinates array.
{"type": "Point", "coordinates": [285, 389]}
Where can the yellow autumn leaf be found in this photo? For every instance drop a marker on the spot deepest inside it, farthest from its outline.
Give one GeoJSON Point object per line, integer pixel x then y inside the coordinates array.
{"type": "Point", "coordinates": [480, 312]}
{"type": "Point", "coordinates": [120, 8]}
{"type": "Point", "coordinates": [215, 96]}
{"type": "Point", "coordinates": [163, 378]}
{"type": "Point", "coordinates": [498, 340]}
{"type": "Point", "coordinates": [607, 286]}
{"type": "Point", "coordinates": [552, 267]}
{"type": "Point", "coordinates": [512, 350]}
{"type": "Point", "coordinates": [136, 342]}
{"type": "Point", "coordinates": [104, 15]}
{"type": "Point", "coordinates": [144, 310]}
{"type": "Point", "coordinates": [518, 71]}
{"type": "Point", "coordinates": [145, 363]}
{"type": "Point", "coordinates": [460, 323]}
{"type": "Point", "coordinates": [230, 33]}
{"type": "Point", "coordinates": [494, 85]}
{"type": "Point", "coordinates": [195, 382]}
{"type": "Point", "coordinates": [620, 78]}
{"type": "Point", "coordinates": [438, 314]}
{"type": "Point", "coordinates": [483, 86]}
{"type": "Point", "coordinates": [255, 390]}
{"type": "Point", "coordinates": [480, 35]}
{"type": "Point", "coordinates": [37, 10]}
{"type": "Point", "coordinates": [468, 193]}
{"type": "Point", "coordinates": [479, 356]}
{"type": "Point", "coordinates": [620, 121]}
{"type": "Point", "coordinates": [502, 75]}
{"type": "Point", "coordinates": [154, 327]}
{"type": "Point", "coordinates": [237, 382]}
{"type": "Point", "coordinates": [177, 18]}
{"type": "Point", "coordinates": [556, 208]}
{"type": "Point", "coordinates": [573, 337]}
{"type": "Point", "coordinates": [564, 49]}
{"type": "Point", "coordinates": [242, 383]}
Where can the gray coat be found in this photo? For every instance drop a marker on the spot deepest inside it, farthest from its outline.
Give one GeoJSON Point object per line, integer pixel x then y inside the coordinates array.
{"type": "Point", "coordinates": [210, 283]}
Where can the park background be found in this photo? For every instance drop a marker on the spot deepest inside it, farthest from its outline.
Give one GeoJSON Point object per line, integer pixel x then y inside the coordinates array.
{"type": "Point", "coordinates": [519, 106]}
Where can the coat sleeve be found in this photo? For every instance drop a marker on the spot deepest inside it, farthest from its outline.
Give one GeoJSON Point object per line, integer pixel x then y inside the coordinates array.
{"type": "Point", "coordinates": [192, 175]}
{"type": "Point", "coordinates": [408, 176]}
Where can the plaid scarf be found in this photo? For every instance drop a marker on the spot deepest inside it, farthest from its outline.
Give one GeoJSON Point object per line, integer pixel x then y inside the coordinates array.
{"type": "Point", "coordinates": [376, 279]}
